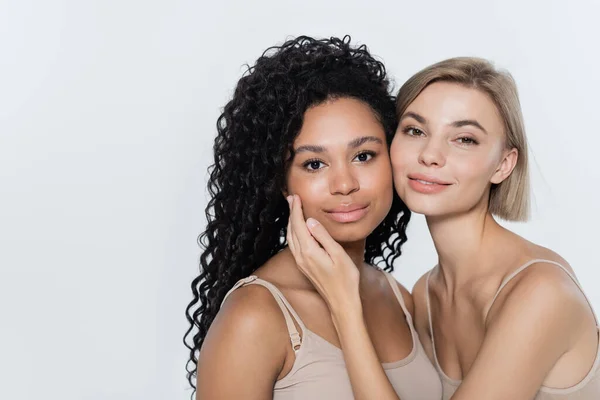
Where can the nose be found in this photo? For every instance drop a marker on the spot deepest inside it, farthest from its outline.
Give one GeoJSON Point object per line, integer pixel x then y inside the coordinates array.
{"type": "Point", "coordinates": [343, 181]}
{"type": "Point", "coordinates": [432, 154]}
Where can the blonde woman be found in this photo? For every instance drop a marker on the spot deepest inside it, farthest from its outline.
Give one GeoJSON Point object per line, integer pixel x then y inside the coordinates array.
{"type": "Point", "coordinates": [500, 317]}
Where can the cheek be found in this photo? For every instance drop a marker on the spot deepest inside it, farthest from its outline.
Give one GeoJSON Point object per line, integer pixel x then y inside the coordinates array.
{"type": "Point", "coordinates": [379, 173]}
{"type": "Point", "coordinates": [402, 156]}
{"type": "Point", "coordinates": [376, 183]}
{"type": "Point", "coordinates": [473, 171]}
{"type": "Point", "coordinates": [312, 188]}
{"type": "Point", "coordinates": [399, 154]}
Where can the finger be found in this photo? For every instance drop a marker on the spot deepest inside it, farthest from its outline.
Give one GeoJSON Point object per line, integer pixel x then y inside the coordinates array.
{"type": "Point", "coordinates": [321, 235]}
{"type": "Point", "coordinates": [308, 254]}
{"type": "Point", "coordinates": [288, 235]}
{"type": "Point", "coordinates": [308, 250]}
{"type": "Point", "coordinates": [299, 229]}
{"type": "Point", "coordinates": [294, 239]}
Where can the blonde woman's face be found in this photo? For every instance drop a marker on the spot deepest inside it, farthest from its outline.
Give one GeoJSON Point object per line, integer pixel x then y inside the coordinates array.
{"type": "Point", "coordinates": [448, 150]}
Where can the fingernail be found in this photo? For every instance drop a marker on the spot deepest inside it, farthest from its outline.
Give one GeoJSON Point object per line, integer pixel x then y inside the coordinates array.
{"type": "Point", "coordinates": [311, 222]}
{"type": "Point", "coordinates": [289, 200]}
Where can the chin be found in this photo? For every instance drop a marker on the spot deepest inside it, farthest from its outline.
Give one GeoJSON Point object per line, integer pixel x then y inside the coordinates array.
{"type": "Point", "coordinates": [440, 210]}
{"type": "Point", "coordinates": [427, 212]}
{"type": "Point", "coordinates": [349, 233]}
{"type": "Point", "coordinates": [426, 208]}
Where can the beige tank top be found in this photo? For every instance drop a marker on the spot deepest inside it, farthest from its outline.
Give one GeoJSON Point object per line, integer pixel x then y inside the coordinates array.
{"type": "Point", "coordinates": [319, 371]}
{"type": "Point", "coordinates": [587, 389]}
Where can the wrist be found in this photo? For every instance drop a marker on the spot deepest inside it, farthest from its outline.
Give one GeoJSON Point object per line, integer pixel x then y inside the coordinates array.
{"type": "Point", "coordinates": [349, 314]}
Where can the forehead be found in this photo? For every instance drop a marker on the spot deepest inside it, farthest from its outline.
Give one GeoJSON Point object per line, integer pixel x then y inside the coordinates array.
{"type": "Point", "coordinates": [339, 121]}
{"type": "Point", "coordinates": [446, 102]}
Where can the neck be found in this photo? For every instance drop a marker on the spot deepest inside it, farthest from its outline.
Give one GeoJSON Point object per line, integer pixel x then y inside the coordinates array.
{"type": "Point", "coordinates": [465, 245]}
{"type": "Point", "coordinates": [356, 251]}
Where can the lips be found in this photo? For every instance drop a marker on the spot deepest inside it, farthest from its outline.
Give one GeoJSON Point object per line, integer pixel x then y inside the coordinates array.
{"type": "Point", "coordinates": [428, 179]}
{"type": "Point", "coordinates": [347, 213]}
{"type": "Point", "coordinates": [426, 184]}
{"type": "Point", "coordinates": [346, 208]}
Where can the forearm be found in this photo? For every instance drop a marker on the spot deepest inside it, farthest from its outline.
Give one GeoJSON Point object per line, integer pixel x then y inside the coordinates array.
{"type": "Point", "coordinates": [367, 376]}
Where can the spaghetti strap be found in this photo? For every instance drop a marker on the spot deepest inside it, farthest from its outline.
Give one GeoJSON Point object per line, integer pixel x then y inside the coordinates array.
{"type": "Point", "coordinates": [283, 304]}
{"type": "Point", "coordinates": [428, 302]}
{"type": "Point", "coordinates": [399, 296]}
{"type": "Point", "coordinates": [527, 265]}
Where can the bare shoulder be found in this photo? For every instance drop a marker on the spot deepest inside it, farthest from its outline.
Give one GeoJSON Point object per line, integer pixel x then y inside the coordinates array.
{"type": "Point", "coordinates": [548, 292]}
{"type": "Point", "coordinates": [248, 335]}
{"type": "Point", "coordinates": [248, 301]}
{"type": "Point", "coordinates": [546, 277]}
{"type": "Point", "coordinates": [538, 317]}
{"type": "Point", "coordinates": [249, 313]}
{"type": "Point", "coordinates": [550, 255]}
{"type": "Point", "coordinates": [533, 251]}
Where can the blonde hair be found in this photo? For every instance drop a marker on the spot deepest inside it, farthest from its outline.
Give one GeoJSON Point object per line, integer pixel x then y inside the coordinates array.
{"type": "Point", "coordinates": [509, 199]}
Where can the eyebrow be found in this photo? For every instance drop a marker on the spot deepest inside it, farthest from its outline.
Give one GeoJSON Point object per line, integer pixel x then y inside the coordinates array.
{"type": "Point", "coordinates": [466, 122]}
{"type": "Point", "coordinates": [456, 124]}
{"type": "Point", "coordinates": [362, 140]}
{"type": "Point", "coordinates": [420, 119]}
{"type": "Point", "coordinates": [352, 144]}
{"type": "Point", "coordinates": [309, 148]}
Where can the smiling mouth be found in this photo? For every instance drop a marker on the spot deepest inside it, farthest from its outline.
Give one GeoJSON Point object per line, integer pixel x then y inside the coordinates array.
{"type": "Point", "coordinates": [428, 182]}
{"type": "Point", "coordinates": [347, 216]}
{"type": "Point", "coordinates": [427, 187]}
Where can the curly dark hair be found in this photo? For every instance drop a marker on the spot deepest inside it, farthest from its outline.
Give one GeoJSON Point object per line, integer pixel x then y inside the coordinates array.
{"type": "Point", "coordinates": [247, 214]}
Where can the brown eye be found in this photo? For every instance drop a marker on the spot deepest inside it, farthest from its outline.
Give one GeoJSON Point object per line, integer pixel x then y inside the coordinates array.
{"type": "Point", "coordinates": [466, 140]}
{"type": "Point", "coordinates": [364, 157]}
{"type": "Point", "coordinates": [313, 165]}
{"type": "Point", "coordinates": [410, 131]}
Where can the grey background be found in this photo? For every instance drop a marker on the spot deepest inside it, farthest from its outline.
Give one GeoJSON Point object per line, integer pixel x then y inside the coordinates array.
{"type": "Point", "coordinates": [107, 116]}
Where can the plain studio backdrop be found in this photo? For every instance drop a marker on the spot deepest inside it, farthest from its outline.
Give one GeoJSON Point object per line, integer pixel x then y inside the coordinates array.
{"type": "Point", "coordinates": [107, 119]}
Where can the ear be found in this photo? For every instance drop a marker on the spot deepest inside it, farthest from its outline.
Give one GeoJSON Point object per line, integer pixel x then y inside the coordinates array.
{"type": "Point", "coordinates": [506, 166]}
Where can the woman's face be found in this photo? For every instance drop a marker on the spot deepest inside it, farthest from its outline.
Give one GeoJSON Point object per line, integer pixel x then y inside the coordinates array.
{"type": "Point", "coordinates": [448, 150]}
{"type": "Point", "coordinates": [341, 169]}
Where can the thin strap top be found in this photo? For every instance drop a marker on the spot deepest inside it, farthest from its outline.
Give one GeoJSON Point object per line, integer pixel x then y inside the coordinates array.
{"type": "Point", "coordinates": [587, 389]}
{"type": "Point", "coordinates": [319, 371]}
{"type": "Point", "coordinates": [283, 304]}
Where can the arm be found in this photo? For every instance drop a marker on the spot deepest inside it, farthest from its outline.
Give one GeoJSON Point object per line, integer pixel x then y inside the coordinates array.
{"type": "Point", "coordinates": [244, 350]}
{"type": "Point", "coordinates": [335, 276]}
{"type": "Point", "coordinates": [367, 377]}
{"type": "Point", "coordinates": [537, 323]}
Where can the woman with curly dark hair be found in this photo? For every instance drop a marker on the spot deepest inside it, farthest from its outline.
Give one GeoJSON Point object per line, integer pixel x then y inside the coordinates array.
{"type": "Point", "coordinates": [311, 119]}
{"type": "Point", "coordinates": [500, 317]}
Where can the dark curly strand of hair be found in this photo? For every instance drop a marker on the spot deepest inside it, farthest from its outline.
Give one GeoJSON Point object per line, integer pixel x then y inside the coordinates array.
{"type": "Point", "coordinates": [247, 214]}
